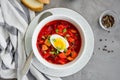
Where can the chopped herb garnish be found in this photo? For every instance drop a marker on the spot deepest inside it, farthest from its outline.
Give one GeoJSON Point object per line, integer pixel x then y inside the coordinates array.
{"type": "Point", "coordinates": [65, 38]}
{"type": "Point", "coordinates": [57, 51]}
{"type": "Point", "coordinates": [56, 30]}
{"type": "Point", "coordinates": [64, 30]}
{"type": "Point", "coordinates": [48, 37]}
{"type": "Point", "coordinates": [52, 52]}
{"type": "Point", "coordinates": [65, 50]}
{"type": "Point", "coordinates": [49, 40]}
{"type": "Point", "coordinates": [58, 48]}
{"type": "Point", "coordinates": [54, 40]}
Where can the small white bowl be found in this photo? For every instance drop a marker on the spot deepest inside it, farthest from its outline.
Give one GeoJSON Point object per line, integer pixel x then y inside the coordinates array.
{"type": "Point", "coordinates": [35, 35]}
{"type": "Point", "coordinates": [113, 14]}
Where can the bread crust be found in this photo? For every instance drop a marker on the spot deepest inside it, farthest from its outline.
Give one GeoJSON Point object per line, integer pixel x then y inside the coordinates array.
{"type": "Point", "coordinates": [36, 9]}
{"type": "Point", "coordinates": [44, 1]}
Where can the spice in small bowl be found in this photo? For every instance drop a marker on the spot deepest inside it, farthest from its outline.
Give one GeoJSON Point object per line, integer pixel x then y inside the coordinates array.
{"type": "Point", "coordinates": [108, 20]}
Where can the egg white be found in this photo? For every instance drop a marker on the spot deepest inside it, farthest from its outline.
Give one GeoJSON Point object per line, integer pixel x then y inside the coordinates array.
{"type": "Point", "coordinates": [56, 37]}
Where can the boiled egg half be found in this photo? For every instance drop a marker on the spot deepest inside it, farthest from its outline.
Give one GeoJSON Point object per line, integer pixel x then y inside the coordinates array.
{"type": "Point", "coordinates": [59, 42]}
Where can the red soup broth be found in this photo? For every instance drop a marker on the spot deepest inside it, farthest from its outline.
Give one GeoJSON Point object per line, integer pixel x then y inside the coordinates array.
{"type": "Point", "coordinates": [64, 29]}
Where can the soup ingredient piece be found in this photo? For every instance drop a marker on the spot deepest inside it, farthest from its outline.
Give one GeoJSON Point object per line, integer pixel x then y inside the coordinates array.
{"type": "Point", "coordinates": [73, 54]}
{"type": "Point", "coordinates": [40, 41]}
{"type": "Point", "coordinates": [108, 21]}
{"type": "Point", "coordinates": [46, 55]}
{"type": "Point", "coordinates": [59, 42]}
{"type": "Point", "coordinates": [73, 31]}
{"type": "Point", "coordinates": [44, 47]}
{"type": "Point", "coordinates": [67, 35]}
{"type": "Point", "coordinates": [70, 58]}
{"type": "Point", "coordinates": [47, 42]}
{"type": "Point", "coordinates": [71, 34]}
{"type": "Point", "coordinates": [44, 52]}
{"type": "Point", "coordinates": [43, 37]}
{"type": "Point", "coordinates": [61, 61]}
{"type": "Point", "coordinates": [62, 55]}
{"type": "Point", "coordinates": [70, 39]}
{"type": "Point", "coordinates": [60, 27]}
{"type": "Point", "coordinates": [44, 1]}
{"type": "Point", "coordinates": [68, 52]}
{"type": "Point", "coordinates": [33, 5]}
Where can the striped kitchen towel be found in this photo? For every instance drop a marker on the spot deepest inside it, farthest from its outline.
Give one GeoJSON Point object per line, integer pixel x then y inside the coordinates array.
{"type": "Point", "coordinates": [14, 20]}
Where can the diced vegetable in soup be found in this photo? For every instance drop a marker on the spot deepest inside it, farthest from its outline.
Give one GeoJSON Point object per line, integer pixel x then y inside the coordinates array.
{"type": "Point", "coordinates": [59, 42]}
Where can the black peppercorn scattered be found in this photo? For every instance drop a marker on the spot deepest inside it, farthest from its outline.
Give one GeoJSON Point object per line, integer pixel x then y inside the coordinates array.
{"type": "Point", "coordinates": [112, 41]}
{"type": "Point", "coordinates": [105, 46]}
{"type": "Point", "coordinates": [105, 39]}
{"type": "Point", "coordinates": [112, 51]}
{"type": "Point", "coordinates": [98, 48]}
{"type": "Point", "coordinates": [108, 31]}
{"type": "Point", "coordinates": [104, 49]}
{"type": "Point", "coordinates": [108, 51]}
{"type": "Point", "coordinates": [100, 40]}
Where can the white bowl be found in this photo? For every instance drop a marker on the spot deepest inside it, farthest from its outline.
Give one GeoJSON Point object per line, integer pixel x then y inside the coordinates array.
{"type": "Point", "coordinates": [113, 14]}
{"type": "Point", "coordinates": [35, 35]}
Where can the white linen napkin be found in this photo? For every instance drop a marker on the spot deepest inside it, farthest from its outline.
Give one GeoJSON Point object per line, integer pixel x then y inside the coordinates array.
{"type": "Point", "coordinates": [14, 20]}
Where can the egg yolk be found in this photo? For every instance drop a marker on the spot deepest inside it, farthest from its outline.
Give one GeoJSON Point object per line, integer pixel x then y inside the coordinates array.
{"type": "Point", "coordinates": [59, 44]}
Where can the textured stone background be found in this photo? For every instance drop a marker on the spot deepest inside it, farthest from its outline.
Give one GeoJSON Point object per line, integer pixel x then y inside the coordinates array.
{"type": "Point", "coordinates": [104, 65]}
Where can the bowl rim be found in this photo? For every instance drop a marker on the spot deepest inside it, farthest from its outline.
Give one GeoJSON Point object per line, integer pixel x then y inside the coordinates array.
{"type": "Point", "coordinates": [35, 50]}
{"type": "Point", "coordinates": [112, 13]}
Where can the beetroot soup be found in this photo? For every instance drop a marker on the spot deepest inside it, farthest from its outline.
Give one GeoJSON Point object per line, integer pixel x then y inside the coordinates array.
{"type": "Point", "coordinates": [59, 42]}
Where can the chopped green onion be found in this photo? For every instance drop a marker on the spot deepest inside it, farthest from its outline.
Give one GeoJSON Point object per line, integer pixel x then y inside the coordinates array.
{"type": "Point", "coordinates": [48, 37]}
{"type": "Point", "coordinates": [56, 30]}
{"type": "Point", "coordinates": [58, 48]}
{"type": "Point", "coordinates": [52, 52]}
{"type": "Point", "coordinates": [65, 38]}
{"type": "Point", "coordinates": [64, 30]}
{"type": "Point", "coordinates": [54, 40]}
{"type": "Point", "coordinates": [65, 50]}
{"type": "Point", "coordinates": [57, 51]}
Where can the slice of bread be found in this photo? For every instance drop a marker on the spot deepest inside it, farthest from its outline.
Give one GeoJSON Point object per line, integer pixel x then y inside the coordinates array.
{"type": "Point", "coordinates": [34, 5]}
{"type": "Point", "coordinates": [44, 1]}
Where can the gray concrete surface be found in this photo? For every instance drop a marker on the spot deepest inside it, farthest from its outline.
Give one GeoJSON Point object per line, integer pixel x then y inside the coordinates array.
{"type": "Point", "coordinates": [104, 65]}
